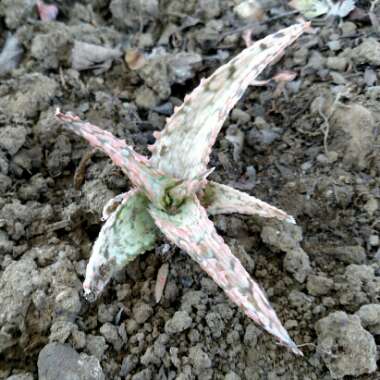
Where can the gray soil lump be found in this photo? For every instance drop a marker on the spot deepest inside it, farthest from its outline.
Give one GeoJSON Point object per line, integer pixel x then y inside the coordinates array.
{"type": "Point", "coordinates": [61, 362]}
{"type": "Point", "coordinates": [346, 348]}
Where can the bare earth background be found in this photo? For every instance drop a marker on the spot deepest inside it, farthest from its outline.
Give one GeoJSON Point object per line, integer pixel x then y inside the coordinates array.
{"type": "Point", "coordinates": [311, 148]}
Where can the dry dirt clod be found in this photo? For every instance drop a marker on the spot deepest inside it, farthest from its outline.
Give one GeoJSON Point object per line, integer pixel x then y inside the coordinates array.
{"type": "Point", "coordinates": [60, 361]}
{"type": "Point", "coordinates": [346, 348]}
{"type": "Point", "coordinates": [354, 126]}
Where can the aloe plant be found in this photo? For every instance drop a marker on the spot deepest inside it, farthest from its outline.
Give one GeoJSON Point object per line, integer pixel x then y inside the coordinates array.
{"type": "Point", "coordinates": [171, 192]}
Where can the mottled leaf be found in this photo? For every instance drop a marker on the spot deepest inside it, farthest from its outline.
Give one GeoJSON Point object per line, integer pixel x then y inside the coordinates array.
{"type": "Point", "coordinates": [193, 232]}
{"type": "Point", "coordinates": [142, 175]}
{"type": "Point", "coordinates": [47, 12]}
{"type": "Point", "coordinates": [128, 232]}
{"type": "Point", "coordinates": [222, 199]}
{"type": "Point", "coordinates": [183, 148]}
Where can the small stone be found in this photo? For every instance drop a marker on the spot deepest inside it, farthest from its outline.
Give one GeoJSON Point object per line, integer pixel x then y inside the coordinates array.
{"type": "Point", "coordinates": [346, 348]}
{"type": "Point", "coordinates": [349, 254]}
{"type": "Point", "coordinates": [21, 376]}
{"type": "Point", "coordinates": [61, 362]}
{"type": "Point", "coordinates": [300, 300]}
{"type": "Point", "coordinates": [106, 313]}
{"type": "Point", "coordinates": [78, 339]}
{"type": "Point", "coordinates": [373, 92]}
{"type": "Point", "coordinates": [367, 52]}
{"type": "Point", "coordinates": [332, 156]}
{"type": "Point", "coordinates": [180, 322]}
{"type": "Point", "coordinates": [12, 138]}
{"type": "Point", "coordinates": [96, 346]}
{"type": "Point", "coordinates": [307, 166]}
{"type": "Point", "coordinates": [374, 240]}
{"type": "Point", "coordinates": [249, 10]}
{"type": "Point", "coordinates": [16, 290]}
{"type": "Point", "coordinates": [145, 374]}
{"type": "Point", "coordinates": [251, 174]}
{"type": "Point", "coordinates": [290, 324]}
{"type": "Point", "coordinates": [142, 312]}
{"type": "Point", "coordinates": [215, 324]}
{"type": "Point", "coordinates": [232, 376]}
{"type": "Point", "coordinates": [34, 95]}
{"type": "Point", "coordinates": [328, 302]}
{"type": "Point", "coordinates": [338, 78]}
{"type": "Point", "coordinates": [145, 98]}
{"type": "Point", "coordinates": [6, 245]}
{"type": "Point", "coordinates": [348, 28]}
{"type": "Point", "coordinates": [67, 301]}
{"type": "Point", "coordinates": [322, 159]}
{"type": "Point", "coordinates": [251, 335]}
{"type": "Point", "coordinates": [334, 45]}
{"type": "Point", "coordinates": [297, 262]}
{"type": "Point", "coordinates": [60, 330]}
{"type": "Point", "coordinates": [300, 56]}
{"type": "Point", "coordinates": [371, 206]}
{"type": "Point", "coordinates": [133, 14]}
{"type": "Point", "coordinates": [357, 123]}
{"type": "Point", "coordinates": [17, 12]}
{"type": "Point", "coordinates": [285, 236]}
{"type": "Point", "coordinates": [319, 285]}
{"type": "Point", "coordinates": [149, 357]}
{"type": "Point", "coordinates": [129, 364]}
{"type": "Point", "coordinates": [263, 136]}
{"type": "Point", "coordinates": [131, 326]}
{"type": "Point", "coordinates": [111, 335]}
{"type": "Point", "coordinates": [5, 183]}
{"type": "Point", "coordinates": [337, 63]}
{"type": "Point", "coordinates": [316, 61]}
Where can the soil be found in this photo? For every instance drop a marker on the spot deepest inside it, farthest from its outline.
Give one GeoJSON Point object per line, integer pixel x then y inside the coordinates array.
{"type": "Point", "coordinates": [310, 147]}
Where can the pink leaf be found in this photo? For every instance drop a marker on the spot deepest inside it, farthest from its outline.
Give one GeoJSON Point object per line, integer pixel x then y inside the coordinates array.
{"type": "Point", "coordinates": [152, 182]}
{"type": "Point", "coordinates": [183, 148]}
{"type": "Point", "coordinates": [191, 230]}
{"type": "Point", "coordinates": [222, 199]}
{"type": "Point", "coordinates": [47, 12]}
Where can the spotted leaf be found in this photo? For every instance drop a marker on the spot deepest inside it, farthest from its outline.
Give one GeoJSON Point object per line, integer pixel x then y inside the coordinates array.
{"type": "Point", "coordinates": [183, 148]}
{"type": "Point", "coordinates": [222, 199]}
{"type": "Point", "coordinates": [128, 232]}
{"type": "Point", "coordinates": [191, 230]}
{"type": "Point", "coordinates": [142, 175]}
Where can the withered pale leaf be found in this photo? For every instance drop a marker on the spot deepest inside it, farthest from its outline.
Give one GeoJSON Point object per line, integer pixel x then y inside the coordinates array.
{"type": "Point", "coordinates": [222, 199]}
{"type": "Point", "coordinates": [128, 232]}
{"type": "Point", "coordinates": [142, 175]}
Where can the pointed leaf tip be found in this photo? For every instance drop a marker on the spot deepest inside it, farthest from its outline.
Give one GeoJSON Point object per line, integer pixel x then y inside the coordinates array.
{"type": "Point", "coordinates": [192, 130]}
{"type": "Point", "coordinates": [192, 231]}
